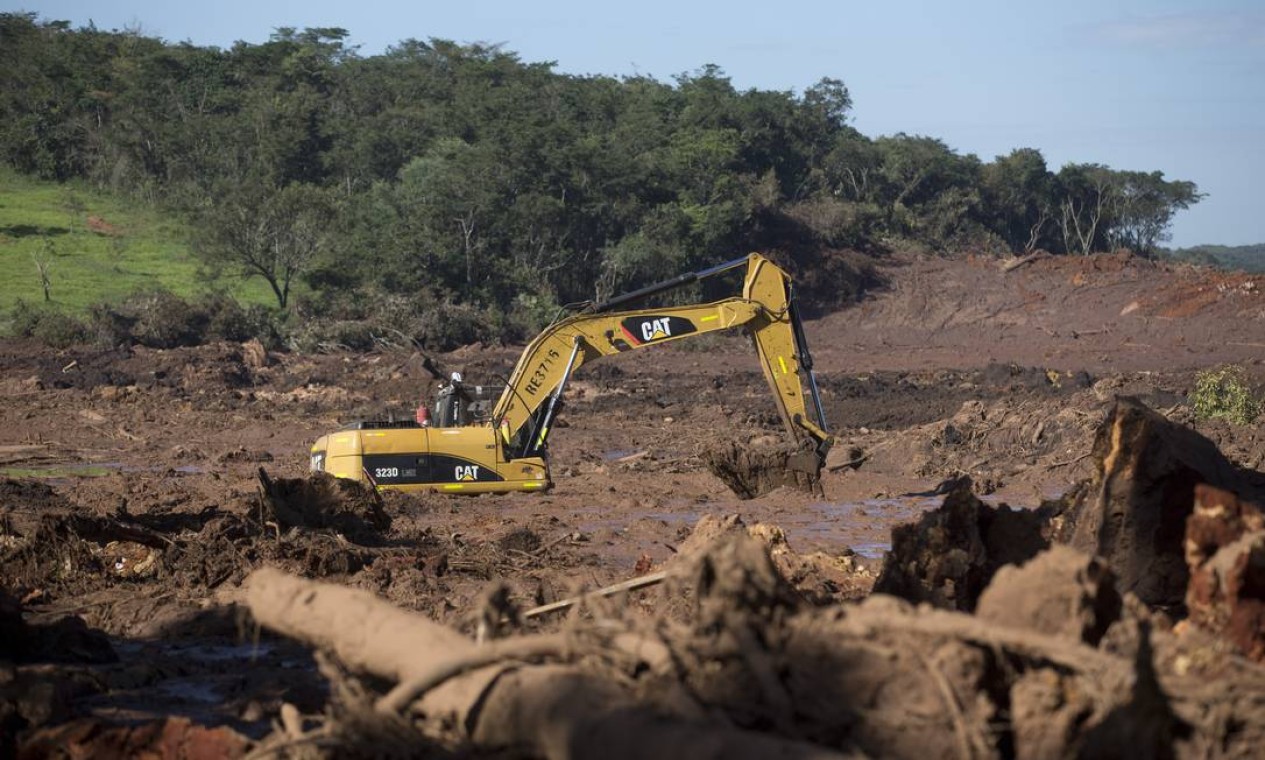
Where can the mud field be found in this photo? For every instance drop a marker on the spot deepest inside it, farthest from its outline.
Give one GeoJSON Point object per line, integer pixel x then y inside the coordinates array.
{"type": "Point", "coordinates": [974, 407]}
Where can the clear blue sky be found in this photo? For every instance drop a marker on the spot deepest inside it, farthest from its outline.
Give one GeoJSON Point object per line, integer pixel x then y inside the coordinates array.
{"type": "Point", "coordinates": [1173, 85]}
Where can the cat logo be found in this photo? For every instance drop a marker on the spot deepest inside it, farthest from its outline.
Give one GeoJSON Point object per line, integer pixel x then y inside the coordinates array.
{"type": "Point", "coordinates": [467, 472]}
{"type": "Point", "coordinates": [642, 331]}
{"type": "Point", "coordinates": [656, 329]}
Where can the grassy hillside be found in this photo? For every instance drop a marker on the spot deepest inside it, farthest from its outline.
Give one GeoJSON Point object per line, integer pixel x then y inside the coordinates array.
{"type": "Point", "coordinates": [96, 247]}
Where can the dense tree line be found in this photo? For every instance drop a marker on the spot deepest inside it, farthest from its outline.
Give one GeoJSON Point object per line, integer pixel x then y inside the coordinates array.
{"type": "Point", "coordinates": [460, 176]}
{"type": "Point", "coordinates": [1242, 258]}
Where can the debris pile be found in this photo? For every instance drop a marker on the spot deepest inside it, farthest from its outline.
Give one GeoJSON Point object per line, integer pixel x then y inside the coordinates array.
{"type": "Point", "coordinates": [754, 671]}
{"type": "Point", "coordinates": [1225, 551]}
{"type": "Point", "coordinates": [949, 556]}
{"type": "Point", "coordinates": [321, 501]}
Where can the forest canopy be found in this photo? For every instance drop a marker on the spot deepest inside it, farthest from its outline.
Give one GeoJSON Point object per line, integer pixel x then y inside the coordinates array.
{"type": "Point", "coordinates": [462, 176]}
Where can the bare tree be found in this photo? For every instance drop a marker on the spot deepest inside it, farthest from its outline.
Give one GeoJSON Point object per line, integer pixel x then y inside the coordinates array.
{"type": "Point", "coordinates": [41, 266]}
{"type": "Point", "coordinates": [1090, 192]}
{"type": "Point", "coordinates": [1034, 232]}
{"type": "Point", "coordinates": [275, 236]}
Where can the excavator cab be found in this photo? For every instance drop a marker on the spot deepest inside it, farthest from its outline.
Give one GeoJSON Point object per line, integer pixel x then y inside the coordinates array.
{"type": "Point", "coordinates": [458, 404]}
{"type": "Point", "coordinates": [450, 406]}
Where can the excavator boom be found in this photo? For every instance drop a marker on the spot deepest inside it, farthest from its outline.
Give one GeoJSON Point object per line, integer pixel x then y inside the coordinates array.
{"type": "Point", "coordinates": [765, 308]}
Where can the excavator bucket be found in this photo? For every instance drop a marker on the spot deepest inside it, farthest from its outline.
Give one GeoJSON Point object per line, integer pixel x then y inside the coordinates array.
{"type": "Point", "coordinates": [756, 468]}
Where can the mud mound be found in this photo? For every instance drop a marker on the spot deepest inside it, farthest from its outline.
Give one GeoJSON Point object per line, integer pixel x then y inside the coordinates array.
{"type": "Point", "coordinates": [762, 466]}
{"type": "Point", "coordinates": [1134, 511]}
{"type": "Point", "coordinates": [321, 501]}
{"type": "Point", "coordinates": [22, 504]}
{"type": "Point", "coordinates": [27, 495]}
{"type": "Point", "coordinates": [818, 577]}
{"type": "Point", "coordinates": [815, 578]}
{"type": "Point", "coordinates": [1225, 551]}
{"type": "Point", "coordinates": [86, 370]}
{"type": "Point", "coordinates": [1061, 592]}
{"type": "Point", "coordinates": [950, 555]}
{"type": "Point", "coordinates": [736, 576]}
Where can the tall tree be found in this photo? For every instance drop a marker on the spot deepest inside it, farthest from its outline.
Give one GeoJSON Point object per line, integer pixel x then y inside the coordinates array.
{"type": "Point", "coordinates": [929, 191]}
{"type": "Point", "coordinates": [1087, 195]}
{"type": "Point", "coordinates": [254, 231]}
{"type": "Point", "coordinates": [1018, 197]}
{"type": "Point", "coordinates": [1144, 207]}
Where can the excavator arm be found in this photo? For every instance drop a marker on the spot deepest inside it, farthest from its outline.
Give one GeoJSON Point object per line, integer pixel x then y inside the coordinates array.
{"type": "Point", "coordinates": [765, 308]}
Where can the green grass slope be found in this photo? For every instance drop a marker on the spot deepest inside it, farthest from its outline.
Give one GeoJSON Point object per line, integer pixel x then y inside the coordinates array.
{"type": "Point", "coordinates": [96, 247]}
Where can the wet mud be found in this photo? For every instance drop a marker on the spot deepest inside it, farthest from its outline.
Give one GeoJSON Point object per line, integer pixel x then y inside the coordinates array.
{"type": "Point", "coordinates": [966, 400]}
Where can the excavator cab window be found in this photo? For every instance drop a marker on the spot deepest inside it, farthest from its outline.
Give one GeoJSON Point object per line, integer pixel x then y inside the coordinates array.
{"type": "Point", "coordinates": [449, 409]}
{"type": "Point", "coordinates": [458, 404]}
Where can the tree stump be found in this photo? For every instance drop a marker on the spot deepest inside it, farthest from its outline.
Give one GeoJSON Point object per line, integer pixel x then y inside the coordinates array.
{"type": "Point", "coordinates": [1133, 514]}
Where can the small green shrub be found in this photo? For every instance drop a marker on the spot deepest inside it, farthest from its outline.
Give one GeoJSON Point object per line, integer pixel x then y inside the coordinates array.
{"type": "Point", "coordinates": [60, 330]}
{"type": "Point", "coordinates": [51, 327]}
{"type": "Point", "coordinates": [23, 319]}
{"type": "Point", "coordinates": [159, 319]}
{"type": "Point", "coordinates": [370, 318]}
{"type": "Point", "coordinates": [528, 315]}
{"type": "Point", "coordinates": [1224, 392]}
{"type": "Point", "coordinates": [227, 319]}
{"type": "Point", "coordinates": [321, 334]}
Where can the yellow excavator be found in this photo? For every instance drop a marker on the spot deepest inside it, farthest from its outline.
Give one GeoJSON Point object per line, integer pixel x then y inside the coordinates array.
{"type": "Point", "coordinates": [507, 451]}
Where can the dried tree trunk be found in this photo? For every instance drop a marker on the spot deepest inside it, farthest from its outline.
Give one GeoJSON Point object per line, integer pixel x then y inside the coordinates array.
{"type": "Point", "coordinates": [1134, 512]}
